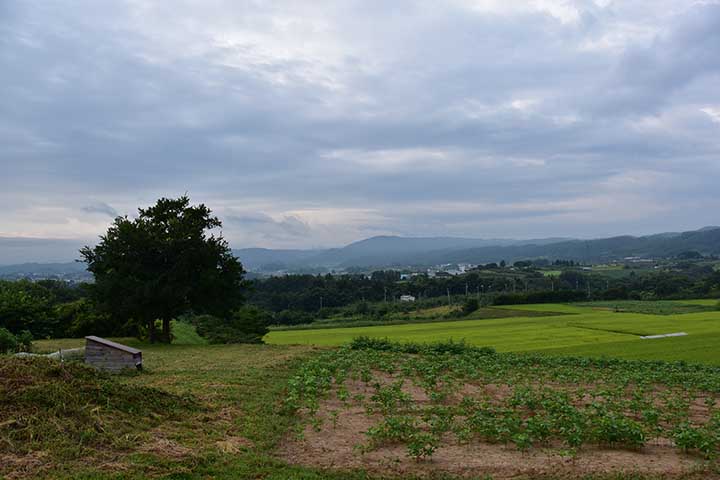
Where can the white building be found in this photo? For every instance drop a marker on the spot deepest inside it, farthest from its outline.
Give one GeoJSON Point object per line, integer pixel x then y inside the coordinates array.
{"type": "Point", "coordinates": [407, 298]}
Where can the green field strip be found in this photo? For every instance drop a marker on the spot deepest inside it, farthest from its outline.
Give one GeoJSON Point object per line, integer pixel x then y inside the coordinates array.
{"type": "Point", "coordinates": [695, 349]}
{"type": "Point", "coordinates": [708, 302]}
{"type": "Point", "coordinates": [558, 308]}
{"type": "Point", "coordinates": [588, 332]}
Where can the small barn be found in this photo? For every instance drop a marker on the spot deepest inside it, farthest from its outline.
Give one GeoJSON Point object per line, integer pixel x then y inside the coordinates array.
{"type": "Point", "coordinates": [111, 356]}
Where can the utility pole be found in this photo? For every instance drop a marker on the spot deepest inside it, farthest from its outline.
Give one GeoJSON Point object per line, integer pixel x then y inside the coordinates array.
{"type": "Point", "coordinates": [466, 289]}
{"type": "Point", "coordinates": [448, 294]}
{"type": "Point", "coordinates": [478, 293]}
{"type": "Point", "coordinates": [385, 294]}
{"type": "Point", "coordinates": [321, 303]}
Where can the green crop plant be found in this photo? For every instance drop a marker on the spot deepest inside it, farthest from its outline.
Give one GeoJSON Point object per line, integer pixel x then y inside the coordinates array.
{"type": "Point", "coordinates": [537, 401]}
{"type": "Point", "coordinates": [422, 445]}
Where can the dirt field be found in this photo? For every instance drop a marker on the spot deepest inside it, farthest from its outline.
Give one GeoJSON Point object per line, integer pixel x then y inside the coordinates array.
{"type": "Point", "coordinates": [473, 413]}
{"type": "Point", "coordinates": [335, 439]}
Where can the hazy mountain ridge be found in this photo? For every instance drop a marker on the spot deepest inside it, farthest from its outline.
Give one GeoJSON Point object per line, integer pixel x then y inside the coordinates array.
{"type": "Point", "coordinates": [380, 250]}
{"type": "Point", "coordinates": [394, 251]}
{"type": "Point", "coordinates": [600, 250]}
{"type": "Point", "coordinates": [386, 251]}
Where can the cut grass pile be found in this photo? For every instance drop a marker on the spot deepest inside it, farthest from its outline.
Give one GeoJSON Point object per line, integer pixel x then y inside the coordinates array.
{"type": "Point", "coordinates": [195, 412]}
{"type": "Point", "coordinates": [72, 410]}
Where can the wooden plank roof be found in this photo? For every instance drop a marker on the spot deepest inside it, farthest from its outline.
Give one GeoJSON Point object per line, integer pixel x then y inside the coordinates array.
{"type": "Point", "coordinates": [111, 344]}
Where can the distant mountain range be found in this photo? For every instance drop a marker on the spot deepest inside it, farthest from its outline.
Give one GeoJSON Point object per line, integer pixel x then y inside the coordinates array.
{"type": "Point", "coordinates": [390, 251]}
{"type": "Point", "coordinates": [381, 250]}
{"type": "Point", "coordinates": [18, 250]}
{"type": "Point", "coordinates": [74, 271]}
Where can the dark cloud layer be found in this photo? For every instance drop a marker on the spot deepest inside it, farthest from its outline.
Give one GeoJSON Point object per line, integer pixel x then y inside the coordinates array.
{"type": "Point", "coordinates": [317, 123]}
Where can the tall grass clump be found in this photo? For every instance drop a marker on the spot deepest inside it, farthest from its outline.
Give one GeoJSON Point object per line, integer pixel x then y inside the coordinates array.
{"type": "Point", "coordinates": [443, 347]}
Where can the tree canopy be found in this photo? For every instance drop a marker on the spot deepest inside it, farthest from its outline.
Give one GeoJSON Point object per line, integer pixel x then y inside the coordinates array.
{"type": "Point", "coordinates": [162, 264]}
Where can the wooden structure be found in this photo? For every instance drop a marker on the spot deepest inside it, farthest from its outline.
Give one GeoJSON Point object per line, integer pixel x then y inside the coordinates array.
{"type": "Point", "coordinates": [111, 356]}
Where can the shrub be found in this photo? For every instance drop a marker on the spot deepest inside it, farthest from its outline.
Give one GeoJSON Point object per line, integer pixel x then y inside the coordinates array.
{"type": "Point", "coordinates": [247, 325]}
{"type": "Point", "coordinates": [8, 341]}
{"type": "Point", "coordinates": [362, 308]}
{"type": "Point", "coordinates": [26, 306]}
{"type": "Point", "coordinates": [292, 317]}
{"type": "Point", "coordinates": [445, 347]}
{"type": "Point", "coordinates": [470, 305]}
{"type": "Point", "coordinates": [24, 341]}
{"type": "Point", "coordinates": [82, 317]}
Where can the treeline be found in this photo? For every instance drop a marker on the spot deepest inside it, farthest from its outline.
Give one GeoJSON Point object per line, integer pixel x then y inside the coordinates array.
{"type": "Point", "coordinates": [53, 308]}
{"type": "Point", "coordinates": [558, 296]}
{"type": "Point", "coordinates": [311, 294]}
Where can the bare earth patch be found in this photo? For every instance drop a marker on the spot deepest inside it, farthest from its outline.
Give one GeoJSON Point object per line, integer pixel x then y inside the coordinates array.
{"type": "Point", "coordinates": [162, 446]}
{"type": "Point", "coordinates": [23, 466]}
{"type": "Point", "coordinates": [234, 444]}
{"type": "Point", "coordinates": [333, 444]}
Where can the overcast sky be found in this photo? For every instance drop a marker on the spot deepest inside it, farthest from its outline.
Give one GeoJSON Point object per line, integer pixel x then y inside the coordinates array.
{"type": "Point", "coordinates": [308, 123]}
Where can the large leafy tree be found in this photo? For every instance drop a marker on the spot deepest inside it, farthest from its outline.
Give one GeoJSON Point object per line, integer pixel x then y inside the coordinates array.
{"type": "Point", "coordinates": [25, 305]}
{"type": "Point", "coordinates": [165, 263]}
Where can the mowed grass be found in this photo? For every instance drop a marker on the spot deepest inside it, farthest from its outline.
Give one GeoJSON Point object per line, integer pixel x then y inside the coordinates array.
{"type": "Point", "coordinates": [238, 393]}
{"type": "Point", "coordinates": [587, 331]}
{"type": "Point", "coordinates": [233, 431]}
{"type": "Point", "coordinates": [660, 307]}
{"type": "Point", "coordinates": [693, 348]}
{"type": "Point", "coordinates": [183, 334]}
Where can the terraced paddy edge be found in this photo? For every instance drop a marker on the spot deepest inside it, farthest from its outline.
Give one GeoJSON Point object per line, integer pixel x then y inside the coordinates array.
{"type": "Point", "coordinates": [430, 315]}
{"type": "Point", "coordinates": [658, 307]}
{"type": "Point", "coordinates": [588, 331]}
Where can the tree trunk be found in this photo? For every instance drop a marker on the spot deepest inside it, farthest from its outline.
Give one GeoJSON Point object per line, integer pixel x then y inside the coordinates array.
{"type": "Point", "coordinates": [152, 332]}
{"type": "Point", "coordinates": [166, 338]}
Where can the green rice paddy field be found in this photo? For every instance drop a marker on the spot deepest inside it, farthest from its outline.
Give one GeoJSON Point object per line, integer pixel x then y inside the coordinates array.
{"type": "Point", "coordinates": [594, 330]}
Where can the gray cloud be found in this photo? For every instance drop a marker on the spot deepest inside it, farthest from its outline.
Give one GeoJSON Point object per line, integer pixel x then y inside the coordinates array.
{"type": "Point", "coordinates": [340, 120]}
{"type": "Point", "coordinates": [101, 208]}
{"type": "Point", "coordinates": [289, 228]}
